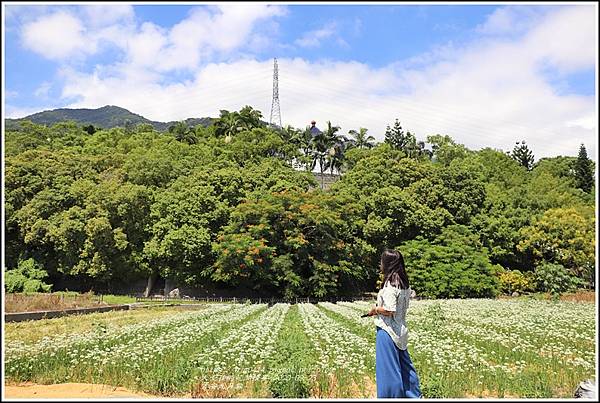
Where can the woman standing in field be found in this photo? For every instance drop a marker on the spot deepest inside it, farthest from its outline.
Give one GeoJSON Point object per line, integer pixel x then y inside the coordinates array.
{"type": "Point", "coordinates": [395, 373]}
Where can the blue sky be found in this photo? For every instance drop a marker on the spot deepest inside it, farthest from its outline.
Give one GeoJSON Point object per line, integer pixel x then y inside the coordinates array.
{"type": "Point", "coordinates": [488, 75]}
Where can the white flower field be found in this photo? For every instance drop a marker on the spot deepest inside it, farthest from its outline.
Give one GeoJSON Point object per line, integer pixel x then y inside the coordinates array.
{"type": "Point", "coordinates": [461, 348]}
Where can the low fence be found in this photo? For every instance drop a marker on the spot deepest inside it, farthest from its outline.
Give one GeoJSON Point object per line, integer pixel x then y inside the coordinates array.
{"type": "Point", "coordinates": [23, 316]}
{"type": "Point", "coordinates": [237, 300]}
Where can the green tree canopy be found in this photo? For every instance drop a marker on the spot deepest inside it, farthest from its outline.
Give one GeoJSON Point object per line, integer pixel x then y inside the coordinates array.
{"type": "Point", "coordinates": [584, 172]}
{"type": "Point", "coordinates": [523, 155]}
{"type": "Point", "coordinates": [291, 244]}
{"type": "Point", "coordinates": [453, 265]}
{"type": "Point", "coordinates": [118, 205]}
{"type": "Point", "coordinates": [565, 236]}
{"type": "Point", "coordinates": [361, 138]}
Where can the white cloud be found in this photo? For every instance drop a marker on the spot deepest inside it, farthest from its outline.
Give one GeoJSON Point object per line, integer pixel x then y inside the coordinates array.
{"type": "Point", "coordinates": [500, 21]}
{"type": "Point", "coordinates": [588, 122]}
{"type": "Point", "coordinates": [313, 39]}
{"type": "Point", "coordinates": [215, 87]}
{"type": "Point", "coordinates": [232, 26]}
{"type": "Point", "coordinates": [43, 90]}
{"type": "Point", "coordinates": [330, 32]}
{"type": "Point", "coordinates": [567, 39]}
{"type": "Point", "coordinates": [213, 30]}
{"type": "Point", "coordinates": [489, 93]}
{"type": "Point", "coordinates": [494, 90]}
{"type": "Point", "coordinates": [16, 112]}
{"type": "Point", "coordinates": [16, 15]}
{"type": "Point", "coordinates": [354, 95]}
{"type": "Point", "coordinates": [145, 46]}
{"type": "Point", "coordinates": [56, 36]}
{"type": "Point", "coordinates": [206, 32]}
{"type": "Point", "coordinates": [101, 15]}
{"type": "Point", "coordinates": [510, 20]}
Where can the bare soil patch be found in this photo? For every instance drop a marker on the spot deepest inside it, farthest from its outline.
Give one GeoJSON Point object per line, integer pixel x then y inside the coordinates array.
{"type": "Point", "coordinates": [488, 394]}
{"type": "Point", "coordinates": [68, 390]}
{"type": "Point", "coordinates": [579, 296]}
{"type": "Point", "coordinates": [21, 302]}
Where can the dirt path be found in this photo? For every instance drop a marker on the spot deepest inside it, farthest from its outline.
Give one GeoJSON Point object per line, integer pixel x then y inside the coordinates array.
{"type": "Point", "coordinates": [68, 390]}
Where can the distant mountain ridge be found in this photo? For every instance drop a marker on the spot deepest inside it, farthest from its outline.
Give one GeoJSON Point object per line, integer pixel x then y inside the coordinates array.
{"type": "Point", "coordinates": [106, 117]}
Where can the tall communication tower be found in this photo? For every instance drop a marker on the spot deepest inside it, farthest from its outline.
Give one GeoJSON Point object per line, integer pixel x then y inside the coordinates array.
{"type": "Point", "coordinates": [275, 110]}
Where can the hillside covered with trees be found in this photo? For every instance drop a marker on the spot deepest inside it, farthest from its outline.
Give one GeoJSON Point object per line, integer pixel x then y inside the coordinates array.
{"type": "Point", "coordinates": [106, 117]}
{"type": "Point", "coordinates": [236, 204]}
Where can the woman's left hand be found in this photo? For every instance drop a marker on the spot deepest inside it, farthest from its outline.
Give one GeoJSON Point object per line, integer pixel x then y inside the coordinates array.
{"type": "Point", "coordinates": [373, 311]}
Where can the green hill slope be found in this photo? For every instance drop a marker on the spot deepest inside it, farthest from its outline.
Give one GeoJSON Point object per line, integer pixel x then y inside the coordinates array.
{"type": "Point", "coordinates": [105, 117]}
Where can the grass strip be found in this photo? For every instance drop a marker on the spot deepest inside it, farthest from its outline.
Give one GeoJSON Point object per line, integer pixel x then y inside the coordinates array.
{"type": "Point", "coordinates": [294, 359]}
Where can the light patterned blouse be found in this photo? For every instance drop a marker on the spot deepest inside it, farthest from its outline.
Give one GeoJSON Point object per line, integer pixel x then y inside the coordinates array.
{"type": "Point", "coordinates": [394, 299]}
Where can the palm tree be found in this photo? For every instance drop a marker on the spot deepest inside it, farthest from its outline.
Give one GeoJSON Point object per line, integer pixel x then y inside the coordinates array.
{"type": "Point", "coordinates": [183, 133]}
{"type": "Point", "coordinates": [297, 138]}
{"type": "Point", "coordinates": [228, 124]}
{"type": "Point", "coordinates": [335, 158]}
{"type": "Point", "coordinates": [331, 130]}
{"type": "Point", "coordinates": [190, 138]}
{"type": "Point", "coordinates": [289, 134]}
{"type": "Point", "coordinates": [304, 142]}
{"type": "Point", "coordinates": [231, 123]}
{"type": "Point", "coordinates": [305, 138]}
{"type": "Point", "coordinates": [324, 147]}
{"type": "Point", "coordinates": [361, 140]}
{"type": "Point", "coordinates": [250, 118]}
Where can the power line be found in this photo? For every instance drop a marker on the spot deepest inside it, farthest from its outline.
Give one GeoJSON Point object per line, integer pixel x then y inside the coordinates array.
{"type": "Point", "coordinates": [424, 113]}
{"type": "Point", "coordinates": [403, 104]}
{"type": "Point", "coordinates": [469, 126]}
{"type": "Point", "coordinates": [467, 120]}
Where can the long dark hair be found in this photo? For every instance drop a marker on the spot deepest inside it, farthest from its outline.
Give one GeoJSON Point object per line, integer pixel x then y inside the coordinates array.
{"type": "Point", "coordinates": [394, 270]}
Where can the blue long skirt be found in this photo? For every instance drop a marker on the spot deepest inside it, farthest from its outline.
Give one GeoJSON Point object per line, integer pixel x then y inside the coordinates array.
{"type": "Point", "coordinates": [395, 373]}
